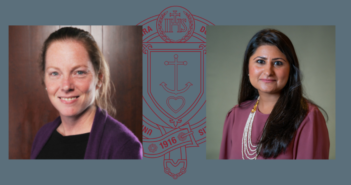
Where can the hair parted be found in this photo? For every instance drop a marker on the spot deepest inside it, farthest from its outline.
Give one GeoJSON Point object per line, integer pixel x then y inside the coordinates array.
{"type": "Point", "coordinates": [291, 107]}
{"type": "Point", "coordinates": [101, 67]}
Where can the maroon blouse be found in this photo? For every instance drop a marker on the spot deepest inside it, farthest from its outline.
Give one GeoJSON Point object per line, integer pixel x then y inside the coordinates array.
{"type": "Point", "coordinates": [311, 140]}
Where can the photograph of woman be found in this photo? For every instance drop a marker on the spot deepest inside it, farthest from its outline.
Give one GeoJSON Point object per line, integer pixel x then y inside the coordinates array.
{"type": "Point", "coordinates": [273, 119]}
{"type": "Point", "coordinates": [78, 83]}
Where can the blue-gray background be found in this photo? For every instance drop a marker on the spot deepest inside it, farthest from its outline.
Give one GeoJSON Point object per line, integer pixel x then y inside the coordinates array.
{"type": "Point", "coordinates": [200, 170]}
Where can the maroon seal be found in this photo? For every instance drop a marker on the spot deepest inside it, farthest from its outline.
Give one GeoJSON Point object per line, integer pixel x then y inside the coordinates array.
{"type": "Point", "coordinates": [175, 24]}
{"type": "Point", "coordinates": [174, 53]}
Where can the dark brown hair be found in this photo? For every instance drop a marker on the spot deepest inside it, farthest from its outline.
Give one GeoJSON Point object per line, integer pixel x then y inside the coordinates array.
{"type": "Point", "coordinates": [291, 107]}
{"type": "Point", "coordinates": [103, 98]}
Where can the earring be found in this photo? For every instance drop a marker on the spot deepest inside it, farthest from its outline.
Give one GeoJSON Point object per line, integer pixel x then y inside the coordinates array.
{"type": "Point", "coordinates": [46, 89]}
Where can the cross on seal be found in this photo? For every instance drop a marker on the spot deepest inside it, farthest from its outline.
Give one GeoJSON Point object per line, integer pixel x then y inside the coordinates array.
{"type": "Point", "coordinates": [176, 63]}
{"type": "Point", "coordinates": [175, 14]}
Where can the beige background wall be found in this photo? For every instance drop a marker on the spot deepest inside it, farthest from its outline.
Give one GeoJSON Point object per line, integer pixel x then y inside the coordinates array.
{"type": "Point", "coordinates": [315, 48]}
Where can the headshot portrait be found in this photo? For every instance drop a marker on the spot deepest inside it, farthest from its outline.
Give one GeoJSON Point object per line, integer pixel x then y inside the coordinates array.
{"type": "Point", "coordinates": [75, 92]}
{"type": "Point", "coordinates": [270, 92]}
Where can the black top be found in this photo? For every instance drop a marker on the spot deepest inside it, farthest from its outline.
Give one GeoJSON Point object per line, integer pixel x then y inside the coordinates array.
{"type": "Point", "coordinates": [64, 147]}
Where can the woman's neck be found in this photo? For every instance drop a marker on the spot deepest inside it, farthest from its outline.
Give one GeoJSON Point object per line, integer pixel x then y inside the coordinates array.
{"type": "Point", "coordinates": [80, 124]}
{"type": "Point", "coordinates": [267, 102]}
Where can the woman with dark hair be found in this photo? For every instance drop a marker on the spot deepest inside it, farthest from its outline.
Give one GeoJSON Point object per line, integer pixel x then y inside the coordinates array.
{"type": "Point", "coordinates": [273, 119]}
{"type": "Point", "coordinates": [77, 80]}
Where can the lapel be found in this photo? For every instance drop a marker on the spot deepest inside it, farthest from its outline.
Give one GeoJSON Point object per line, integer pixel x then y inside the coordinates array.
{"type": "Point", "coordinates": [44, 137]}
{"type": "Point", "coordinates": [93, 146]}
{"type": "Point", "coordinates": [92, 150]}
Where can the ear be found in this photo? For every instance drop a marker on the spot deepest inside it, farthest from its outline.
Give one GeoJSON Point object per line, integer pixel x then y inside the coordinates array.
{"type": "Point", "coordinates": [99, 83]}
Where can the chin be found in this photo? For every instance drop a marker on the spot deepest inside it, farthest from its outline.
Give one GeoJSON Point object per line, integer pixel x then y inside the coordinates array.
{"type": "Point", "coordinates": [68, 113]}
{"type": "Point", "coordinates": [266, 89]}
{"type": "Point", "coordinates": [72, 111]}
{"type": "Point", "coordinates": [269, 91]}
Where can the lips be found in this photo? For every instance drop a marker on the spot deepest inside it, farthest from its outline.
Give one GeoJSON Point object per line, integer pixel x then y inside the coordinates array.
{"type": "Point", "coordinates": [68, 100]}
{"type": "Point", "coordinates": [268, 80]}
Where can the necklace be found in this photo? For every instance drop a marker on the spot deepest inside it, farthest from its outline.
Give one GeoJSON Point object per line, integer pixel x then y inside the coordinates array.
{"type": "Point", "coordinates": [248, 150]}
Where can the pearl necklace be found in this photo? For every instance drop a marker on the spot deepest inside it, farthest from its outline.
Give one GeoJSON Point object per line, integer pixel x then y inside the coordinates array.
{"type": "Point", "coordinates": [248, 150]}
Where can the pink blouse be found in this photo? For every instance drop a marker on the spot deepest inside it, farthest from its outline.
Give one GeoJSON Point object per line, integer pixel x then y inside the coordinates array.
{"type": "Point", "coordinates": [311, 140]}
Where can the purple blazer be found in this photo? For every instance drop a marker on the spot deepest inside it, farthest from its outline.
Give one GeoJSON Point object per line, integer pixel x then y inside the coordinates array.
{"type": "Point", "coordinates": [108, 139]}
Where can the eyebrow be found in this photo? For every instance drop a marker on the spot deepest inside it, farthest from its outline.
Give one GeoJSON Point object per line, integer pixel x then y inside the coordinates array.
{"type": "Point", "coordinates": [74, 68]}
{"type": "Point", "coordinates": [78, 66]}
{"type": "Point", "coordinates": [48, 67]}
{"type": "Point", "coordinates": [272, 58]}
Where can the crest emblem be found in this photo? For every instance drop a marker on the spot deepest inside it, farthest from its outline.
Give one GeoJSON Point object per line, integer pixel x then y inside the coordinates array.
{"type": "Point", "coordinates": [174, 53]}
{"type": "Point", "coordinates": [174, 26]}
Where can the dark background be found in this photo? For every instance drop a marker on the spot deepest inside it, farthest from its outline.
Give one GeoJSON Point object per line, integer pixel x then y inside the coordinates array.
{"type": "Point", "coordinates": [29, 105]}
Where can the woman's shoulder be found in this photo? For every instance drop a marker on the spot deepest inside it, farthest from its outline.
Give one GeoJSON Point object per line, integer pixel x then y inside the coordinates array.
{"type": "Point", "coordinates": [314, 117]}
{"type": "Point", "coordinates": [43, 135]}
{"type": "Point", "coordinates": [112, 128]}
{"type": "Point", "coordinates": [313, 110]}
{"type": "Point", "coordinates": [118, 130]}
{"type": "Point", "coordinates": [312, 137]}
{"type": "Point", "coordinates": [237, 110]}
{"type": "Point", "coordinates": [49, 127]}
{"type": "Point", "coordinates": [247, 105]}
{"type": "Point", "coordinates": [125, 144]}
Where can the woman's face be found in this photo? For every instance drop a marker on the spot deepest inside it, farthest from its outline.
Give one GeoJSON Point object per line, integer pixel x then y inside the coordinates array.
{"type": "Point", "coordinates": [268, 69]}
{"type": "Point", "coordinates": [69, 77]}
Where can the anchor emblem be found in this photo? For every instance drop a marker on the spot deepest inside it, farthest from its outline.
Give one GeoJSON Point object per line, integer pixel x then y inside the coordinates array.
{"type": "Point", "coordinates": [175, 90]}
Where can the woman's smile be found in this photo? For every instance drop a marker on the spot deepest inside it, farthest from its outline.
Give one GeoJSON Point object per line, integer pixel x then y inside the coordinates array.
{"type": "Point", "coordinates": [70, 78]}
{"type": "Point", "coordinates": [268, 80]}
{"type": "Point", "coordinates": [268, 69]}
{"type": "Point", "coordinates": [69, 100]}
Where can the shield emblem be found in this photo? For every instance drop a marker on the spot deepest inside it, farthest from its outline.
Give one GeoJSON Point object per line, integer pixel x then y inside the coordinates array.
{"type": "Point", "coordinates": [174, 94]}
{"type": "Point", "coordinates": [174, 53]}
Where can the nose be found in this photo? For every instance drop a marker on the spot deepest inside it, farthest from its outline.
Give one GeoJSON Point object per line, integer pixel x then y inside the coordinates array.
{"type": "Point", "coordinates": [67, 84]}
{"type": "Point", "coordinates": [269, 69]}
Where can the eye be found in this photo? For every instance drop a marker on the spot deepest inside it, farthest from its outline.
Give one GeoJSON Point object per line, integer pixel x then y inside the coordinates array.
{"type": "Point", "coordinates": [53, 73]}
{"type": "Point", "coordinates": [278, 63]}
{"type": "Point", "coordinates": [80, 72]}
{"type": "Point", "coordinates": [261, 61]}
